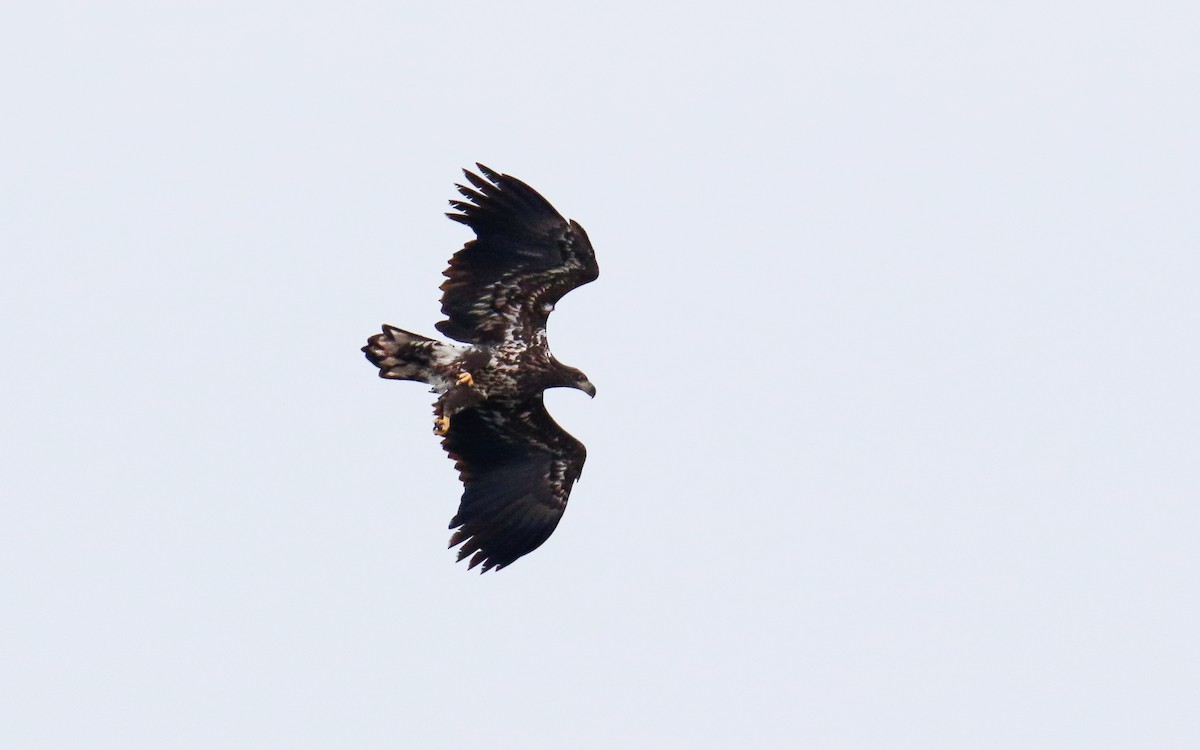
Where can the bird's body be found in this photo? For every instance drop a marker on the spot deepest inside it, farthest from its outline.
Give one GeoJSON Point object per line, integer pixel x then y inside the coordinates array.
{"type": "Point", "coordinates": [517, 465]}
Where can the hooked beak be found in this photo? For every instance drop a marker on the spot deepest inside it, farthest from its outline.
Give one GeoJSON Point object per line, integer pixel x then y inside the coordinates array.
{"type": "Point", "coordinates": [587, 387]}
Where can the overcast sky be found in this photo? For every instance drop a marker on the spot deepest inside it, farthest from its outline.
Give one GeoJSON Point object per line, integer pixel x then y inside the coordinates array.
{"type": "Point", "coordinates": [896, 339]}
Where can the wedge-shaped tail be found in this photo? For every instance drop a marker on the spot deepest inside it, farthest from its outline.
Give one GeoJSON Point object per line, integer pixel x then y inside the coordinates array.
{"type": "Point", "coordinates": [401, 355]}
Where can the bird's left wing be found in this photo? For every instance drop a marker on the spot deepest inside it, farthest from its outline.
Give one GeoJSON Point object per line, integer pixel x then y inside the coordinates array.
{"type": "Point", "coordinates": [524, 258]}
{"type": "Point", "coordinates": [517, 467]}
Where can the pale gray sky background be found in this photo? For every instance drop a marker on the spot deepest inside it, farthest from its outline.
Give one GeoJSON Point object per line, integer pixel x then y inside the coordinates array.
{"type": "Point", "coordinates": [896, 338]}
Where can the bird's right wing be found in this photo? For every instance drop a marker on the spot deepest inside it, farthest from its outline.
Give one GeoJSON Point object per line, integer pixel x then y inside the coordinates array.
{"type": "Point", "coordinates": [517, 467]}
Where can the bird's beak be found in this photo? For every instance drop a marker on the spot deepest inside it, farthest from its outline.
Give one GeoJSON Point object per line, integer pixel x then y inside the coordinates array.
{"type": "Point", "coordinates": [587, 387]}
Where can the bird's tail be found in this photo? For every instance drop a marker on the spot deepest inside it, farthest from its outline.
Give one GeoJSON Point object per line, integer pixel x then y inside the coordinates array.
{"type": "Point", "coordinates": [401, 355]}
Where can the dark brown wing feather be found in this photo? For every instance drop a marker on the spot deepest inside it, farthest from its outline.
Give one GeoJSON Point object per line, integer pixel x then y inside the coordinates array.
{"type": "Point", "coordinates": [517, 467]}
{"type": "Point", "coordinates": [525, 257]}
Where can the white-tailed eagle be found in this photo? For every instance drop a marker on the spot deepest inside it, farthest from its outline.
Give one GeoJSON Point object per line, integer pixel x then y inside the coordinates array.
{"type": "Point", "coordinates": [516, 464]}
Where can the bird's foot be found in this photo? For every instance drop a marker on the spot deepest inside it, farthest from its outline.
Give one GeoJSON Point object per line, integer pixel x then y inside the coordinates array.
{"type": "Point", "coordinates": [465, 379]}
{"type": "Point", "coordinates": [441, 425]}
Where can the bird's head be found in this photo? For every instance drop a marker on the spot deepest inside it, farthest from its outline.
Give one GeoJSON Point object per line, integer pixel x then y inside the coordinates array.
{"type": "Point", "coordinates": [586, 386]}
{"type": "Point", "coordinates": [576, 379]}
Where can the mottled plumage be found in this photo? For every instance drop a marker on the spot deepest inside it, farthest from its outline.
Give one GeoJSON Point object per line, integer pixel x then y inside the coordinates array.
{"type": "Point", "coordinates": [516, 464]}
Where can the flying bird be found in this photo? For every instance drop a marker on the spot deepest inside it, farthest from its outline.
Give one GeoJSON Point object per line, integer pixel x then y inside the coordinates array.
{"type": "Point", "coordinates": [516, 464]}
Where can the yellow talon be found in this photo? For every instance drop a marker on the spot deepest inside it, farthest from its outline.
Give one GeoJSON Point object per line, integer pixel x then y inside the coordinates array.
{"type": "Point", "coordinates": [465, 379]}
{"type": "Point", "coordinates": [441, 425]}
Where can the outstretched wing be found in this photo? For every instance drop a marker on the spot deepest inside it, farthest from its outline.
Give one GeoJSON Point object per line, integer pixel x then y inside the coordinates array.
{"type": "Point", "coordinates": [525, 257]}
{"type": "Point", "coordinates": [517, 467]}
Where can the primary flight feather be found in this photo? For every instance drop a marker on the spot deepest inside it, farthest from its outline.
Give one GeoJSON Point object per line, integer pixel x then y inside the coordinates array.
{"type": "Point", "coordinates": [516, 464]}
